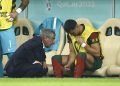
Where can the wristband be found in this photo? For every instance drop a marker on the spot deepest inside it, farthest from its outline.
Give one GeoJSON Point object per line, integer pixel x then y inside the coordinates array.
{"type": "Point", "coordinates": [19, 10]}
{"type": "Point", "coordinates": [83, 45]}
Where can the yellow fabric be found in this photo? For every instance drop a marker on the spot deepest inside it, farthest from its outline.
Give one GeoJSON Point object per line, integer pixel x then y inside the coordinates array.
{"type": "Point", "coordinates": [6, 8]}
{"type": "Point", "coordinates": [85, 35]}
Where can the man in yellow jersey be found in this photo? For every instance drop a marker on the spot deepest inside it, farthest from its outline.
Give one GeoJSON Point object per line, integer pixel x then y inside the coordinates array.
{"type": "Point", "coordinates": [85, 51]}
{"type": "Point", "coordinates": [7, 36]}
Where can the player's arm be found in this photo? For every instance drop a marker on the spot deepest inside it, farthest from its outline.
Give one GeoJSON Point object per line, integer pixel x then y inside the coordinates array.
{"type": "Point", "coordinates": [72, 54]}
{"type": "Point", "coordinates": [94, 47]}
{"type": "Point", "coordinates": [24, 4]}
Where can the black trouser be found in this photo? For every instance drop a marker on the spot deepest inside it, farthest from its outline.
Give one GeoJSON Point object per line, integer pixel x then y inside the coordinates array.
{"type": "Point", "coordinates": [27, 70]}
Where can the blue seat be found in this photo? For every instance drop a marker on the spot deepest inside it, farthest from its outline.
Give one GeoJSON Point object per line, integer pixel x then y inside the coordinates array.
{"type": "Point", "coordinates": [55, 24]}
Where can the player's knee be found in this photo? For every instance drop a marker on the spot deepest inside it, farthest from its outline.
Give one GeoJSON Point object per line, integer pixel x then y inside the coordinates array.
{"type": "Point", "coordinates": [82, 56]}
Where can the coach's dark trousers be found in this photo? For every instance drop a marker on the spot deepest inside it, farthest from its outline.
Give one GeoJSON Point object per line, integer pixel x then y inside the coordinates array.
{"type": "Point", "coordinates": [26, 70]}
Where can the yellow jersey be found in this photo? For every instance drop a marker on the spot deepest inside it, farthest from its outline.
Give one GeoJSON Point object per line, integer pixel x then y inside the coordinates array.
{"type": "Point", "coordinates": [6, 7]}
{"type": "Point", "coordinates": [85, 35]}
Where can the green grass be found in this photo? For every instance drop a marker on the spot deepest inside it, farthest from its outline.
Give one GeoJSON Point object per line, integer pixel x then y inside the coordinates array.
{"type": "Point", "coordinates": [59, 82]}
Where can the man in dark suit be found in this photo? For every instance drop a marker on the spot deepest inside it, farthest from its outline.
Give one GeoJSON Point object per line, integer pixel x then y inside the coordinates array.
{"type": "Point", "coordinates": [29, 58]}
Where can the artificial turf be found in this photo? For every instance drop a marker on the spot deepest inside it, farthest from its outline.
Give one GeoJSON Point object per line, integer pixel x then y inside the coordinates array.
{"type": "Point", "coordinates": [60, 82]}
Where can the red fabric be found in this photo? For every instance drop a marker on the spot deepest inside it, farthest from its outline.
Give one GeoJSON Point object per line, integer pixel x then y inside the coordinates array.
{"type": "Point", "coordinates": [94, 35]}
{"type": "Point", "coordinates": [79, 67]}
{"type": "Point", "coordinates": [57, 68]}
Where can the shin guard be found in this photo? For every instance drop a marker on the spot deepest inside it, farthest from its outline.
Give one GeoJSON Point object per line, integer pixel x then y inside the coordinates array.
{"type": "Point", "coordinates": [57, 66]}
{"type": "Point", "coordinates": [79, 67]}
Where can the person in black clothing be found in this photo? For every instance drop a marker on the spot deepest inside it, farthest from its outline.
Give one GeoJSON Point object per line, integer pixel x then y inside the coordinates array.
{"type": "Point", "coordinates": [29, 59]}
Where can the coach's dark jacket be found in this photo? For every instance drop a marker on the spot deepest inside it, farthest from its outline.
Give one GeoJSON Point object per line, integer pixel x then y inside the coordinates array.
{"type": "Point", "coordinates": [27, 53]}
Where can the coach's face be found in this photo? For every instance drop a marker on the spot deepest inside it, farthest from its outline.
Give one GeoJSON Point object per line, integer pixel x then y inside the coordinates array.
{"type": "Point", "coordinates": [49, 41]}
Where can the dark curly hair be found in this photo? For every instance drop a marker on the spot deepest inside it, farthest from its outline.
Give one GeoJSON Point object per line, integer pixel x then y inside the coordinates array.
{"type": "Point", "coordinates": [69, 25]}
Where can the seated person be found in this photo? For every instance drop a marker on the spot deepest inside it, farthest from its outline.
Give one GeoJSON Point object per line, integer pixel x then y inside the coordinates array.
{"type": "Point", "coordinates": [29, 59]}
{"type": "Point", "coordinates": [85, 51]}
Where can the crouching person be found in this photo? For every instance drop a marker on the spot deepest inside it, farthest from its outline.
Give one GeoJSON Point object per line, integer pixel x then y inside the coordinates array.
{"type": "Point", "coordinates": [29, 59]}
{"type": "Point", "coordinates": [85, 51]}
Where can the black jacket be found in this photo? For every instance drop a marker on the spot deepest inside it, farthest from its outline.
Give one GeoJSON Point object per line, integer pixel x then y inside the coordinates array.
{"type": "Point", "coordinates": [28, 52]}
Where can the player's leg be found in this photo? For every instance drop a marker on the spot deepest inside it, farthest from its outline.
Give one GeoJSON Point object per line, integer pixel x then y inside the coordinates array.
{"type": "Point", "coordinates": [8, 42]}
{"type": "Point", "coordinates": [1, 65]}
{"type": "Point", "coordinates": [79, 65]}
{"type": "Point", "coordinates": [58, 61]}
{"type": "Point", "coordinates": [89, 61]}
{"type": "Point", "coordinates": [93, 63]}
